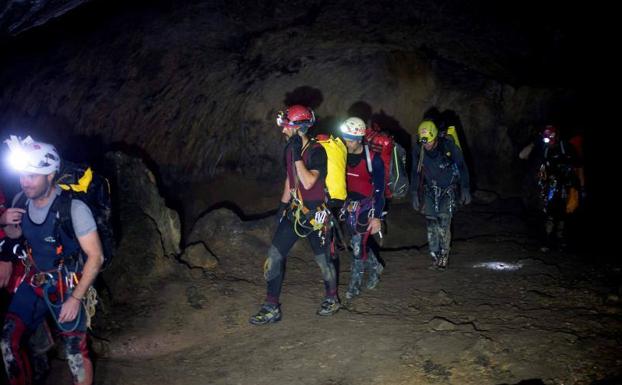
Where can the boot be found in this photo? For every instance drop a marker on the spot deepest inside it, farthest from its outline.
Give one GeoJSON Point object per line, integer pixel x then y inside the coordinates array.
{"type": "Point", "coordinates": [269, 313]}
{"type": "Point", "coordinates": [356, 276]}
{"type": "Point", "coordinates": [375, 268]}
{"type": "Point", "coordinates": [443, 260]}
{"type": "Point", "coordinates": [329, 306]}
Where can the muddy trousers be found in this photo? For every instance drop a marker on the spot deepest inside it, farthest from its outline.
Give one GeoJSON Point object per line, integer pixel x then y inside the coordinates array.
{"type": "Point", "coordinates": [438, 210]}
{"type": "Point", "coordinates": [274, 266]}
{"type": "Point", "coordinates": [26, 313]}
{"type": "Point", "coordinates": [554, 234]}
{"type": "Point", "coordinates": [359, 264]}
{"type": "Point", "coordinates": [439, 234]}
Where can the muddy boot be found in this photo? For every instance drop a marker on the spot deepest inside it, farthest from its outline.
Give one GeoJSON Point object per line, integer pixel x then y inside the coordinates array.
{"type": "Point", "coordinates": [375, 268]}
{"type": "Point", "coordinates": [443, 260]}
{"type": "Point", "coordinates": [329, 306]}
{"type": "Point", "coordinates": [549, 243]}
{"type": "Point", "coordinates": [356, 276]}
{"type": "Point", "coordinates": [269, 313]}
{"type": "Point", "coordinates": [434, 264]}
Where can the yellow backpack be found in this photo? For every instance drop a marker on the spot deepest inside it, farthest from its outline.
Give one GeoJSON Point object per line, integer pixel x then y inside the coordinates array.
{"type": "Point", "coordinates": [337, 154]}
{"type": "Point", "coordinates": [451, 131]}
{"type": "Point", "coordinates": [573, 200]}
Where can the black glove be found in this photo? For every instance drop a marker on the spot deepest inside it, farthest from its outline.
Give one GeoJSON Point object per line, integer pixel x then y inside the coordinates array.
{"type": "Point", "coordinates": [465, 196]}
{"type": "Point", "coordinates": [280, 211]}
{"type": "Point", "coordinates": [416, 205]}
{"type": "Point", "coordinates": [295, 146]}
{"type": "Point", "coordinates": [8, 251]}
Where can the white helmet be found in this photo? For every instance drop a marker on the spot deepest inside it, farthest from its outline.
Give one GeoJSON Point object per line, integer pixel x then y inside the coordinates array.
{"type": "Point", "coordinates": [353, 129]}
{"type": "Point", "coordinates": [28, 156]}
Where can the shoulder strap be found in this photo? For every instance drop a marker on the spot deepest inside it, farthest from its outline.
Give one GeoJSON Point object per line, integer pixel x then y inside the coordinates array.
{"type": "Point", "coordinates": [62, 206]}
{"type": "Point", "coordinates": [21, 201]}
{"type": "Point", "coordinates": [368, 158]}
{"type": "Point", "coordinates": [446, 150]}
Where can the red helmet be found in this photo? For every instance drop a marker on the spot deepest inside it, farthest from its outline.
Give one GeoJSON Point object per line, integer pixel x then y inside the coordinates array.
{"type": "Point", "coordinates": [297, 116]}
{"type": "Point", "coordinates": [550, 135]}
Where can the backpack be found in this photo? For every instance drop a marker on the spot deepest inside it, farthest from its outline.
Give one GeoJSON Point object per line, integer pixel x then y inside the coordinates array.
{"type": "Point", "coordinates": [80, 182]}
{"type": "Point", "coordinates": [453, 134]}
{"type": "Point", "coordinates": [336, 153]}
{"type": "Point", "coordinates": [394, 158]}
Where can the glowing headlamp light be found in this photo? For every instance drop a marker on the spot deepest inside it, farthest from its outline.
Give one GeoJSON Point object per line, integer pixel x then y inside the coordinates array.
{"type": "Point", "coordinates": [425, 136]}
{"type": "Point", "coordinates": [546, 140]}
{"type": "Point", "coordinates": [18, 160]}
{"type": "Point", "coordinates": [281, 119]}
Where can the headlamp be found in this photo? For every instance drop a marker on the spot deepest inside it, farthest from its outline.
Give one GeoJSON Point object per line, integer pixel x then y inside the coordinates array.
{"type": "Point", "coordinates": [18, 160]}
{"type": "Point", "coordinates": [424, 136]}
{"type": "Point", "coordinates": [281, 119]}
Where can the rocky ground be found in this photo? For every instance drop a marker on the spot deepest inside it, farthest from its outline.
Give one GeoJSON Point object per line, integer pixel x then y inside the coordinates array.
{"type": "Point", "coordinates": [502, 313]}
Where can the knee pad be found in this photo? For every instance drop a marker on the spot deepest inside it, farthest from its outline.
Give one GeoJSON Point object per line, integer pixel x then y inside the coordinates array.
{"type": "Point", "coordinates": [15, 362]}
{"type": "Point", "coordinates": [431, 221]}
{"type": "Point", "coordinates": [356, 249]}
{"type": "Point", "coordinates": [444, 220]}
{"type": "Point", "coordinates": [77, 354]}
{"type": "Point", "coordinates": [325, 265]}
{"type": "Point", "coordinates": [273, 263]}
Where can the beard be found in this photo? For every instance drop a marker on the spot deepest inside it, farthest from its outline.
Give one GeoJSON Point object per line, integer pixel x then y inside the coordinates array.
{"type": "Point", "coordinates": [34, 193]}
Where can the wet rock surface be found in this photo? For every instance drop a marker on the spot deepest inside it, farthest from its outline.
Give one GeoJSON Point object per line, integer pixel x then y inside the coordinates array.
{"type": "Point", "coordinates": [148, 232]}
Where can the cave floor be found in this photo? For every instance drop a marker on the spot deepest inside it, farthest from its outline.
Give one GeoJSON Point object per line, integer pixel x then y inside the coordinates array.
{"type": "Point", "coordinates": [502, 313]}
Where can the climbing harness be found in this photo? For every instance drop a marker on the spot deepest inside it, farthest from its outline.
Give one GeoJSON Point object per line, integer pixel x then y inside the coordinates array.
{"type": "Point", "coordinates": [351, 214]}
{"type": "Point", "coordinates": [55, 285]}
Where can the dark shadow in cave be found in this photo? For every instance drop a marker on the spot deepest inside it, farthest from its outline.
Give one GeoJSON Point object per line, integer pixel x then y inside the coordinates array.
{"type": "Point", "coordinates": [170, 199]}
{"type": "Point", "coordinates": [364, 110]}
{"type": "Point", "coordinates": [305, 95]}
{"type": "Point", "coordinates": [393, 127]}
{"type": "Point", "coordinates": [533, 381]}
{"type": "Point", "coordinates": [361, 110]}
{"type": "Point", "coordinates": [328, 125]}
{"type": "Point", "coordinates": [238, 211]}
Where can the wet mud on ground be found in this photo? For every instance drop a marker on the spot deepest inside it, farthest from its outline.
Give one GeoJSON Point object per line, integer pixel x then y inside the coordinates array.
{"type": "Point", "coordinates": [502, 313]}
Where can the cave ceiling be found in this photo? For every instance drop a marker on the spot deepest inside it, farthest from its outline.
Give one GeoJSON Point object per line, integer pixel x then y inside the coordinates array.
{"type": "Point", "coordinates": [18, 16]}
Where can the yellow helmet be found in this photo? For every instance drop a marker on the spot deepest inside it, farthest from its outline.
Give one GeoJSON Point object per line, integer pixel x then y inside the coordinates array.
{"type": "Point", "coordinates": [427, 131]}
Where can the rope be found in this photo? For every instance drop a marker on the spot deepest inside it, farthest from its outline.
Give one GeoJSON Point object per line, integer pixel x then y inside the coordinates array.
{"type": "Point", "coordinates": [53, 307]}
{"type": "Point", "coordinates": [89, 305]}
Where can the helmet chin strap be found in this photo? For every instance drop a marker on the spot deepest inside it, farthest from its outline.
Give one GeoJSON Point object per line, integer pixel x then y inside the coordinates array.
{"type": "Point", "coordinates": [303, 129]}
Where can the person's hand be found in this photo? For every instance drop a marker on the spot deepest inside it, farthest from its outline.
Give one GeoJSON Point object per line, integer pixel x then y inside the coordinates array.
{"type": "Point", "coordinates": [6, 269]}
{"type": "Point", "coordinates": [12, 216]}
{"type": "Point", "coordinates": [416, 205]}
{"type": "Point", "coordinates": [70, 309]}
{"type": "Point", "coordinates": [374, 225]}
{"type": "Point", "coordinates": [295, 143]}
{"type": "Point", "coordinates": [465, 196]}
{"type": "Point", "coordinates": [280, 212]}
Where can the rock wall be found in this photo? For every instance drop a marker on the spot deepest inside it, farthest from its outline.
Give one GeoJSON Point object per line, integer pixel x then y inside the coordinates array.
{"type": "Point", "coordinates": [195, 85]}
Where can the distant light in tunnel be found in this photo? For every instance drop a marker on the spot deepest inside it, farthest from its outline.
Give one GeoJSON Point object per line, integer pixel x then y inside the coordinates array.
{"type": "Point", "coordinates": [499, 266]}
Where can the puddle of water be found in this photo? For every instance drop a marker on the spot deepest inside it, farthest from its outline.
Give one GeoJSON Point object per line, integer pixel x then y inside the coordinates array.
{"type": "Point", "coordinates": [499, 266]}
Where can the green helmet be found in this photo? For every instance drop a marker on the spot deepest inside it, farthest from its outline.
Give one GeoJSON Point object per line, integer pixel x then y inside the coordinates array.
{"type": "Point", "coordinates": [427, 131]}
